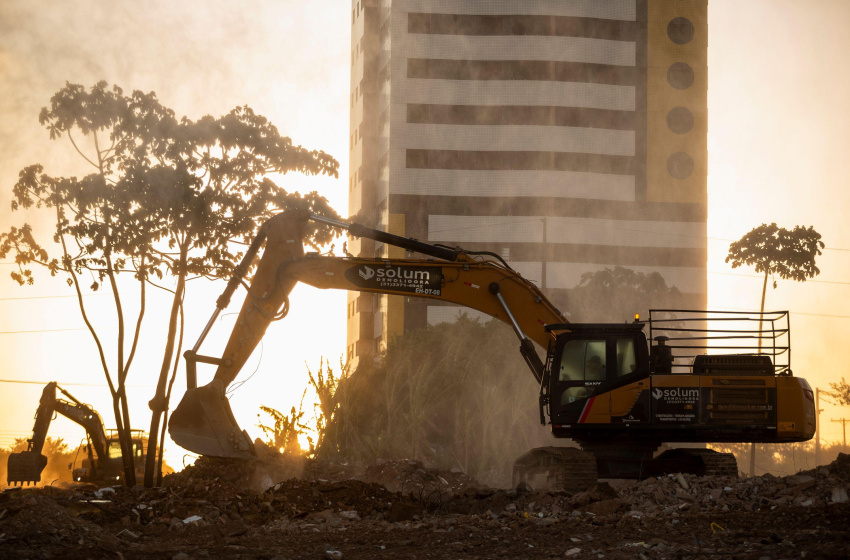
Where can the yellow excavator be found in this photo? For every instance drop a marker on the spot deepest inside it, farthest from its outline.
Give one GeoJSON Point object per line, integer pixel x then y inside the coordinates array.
{"type": "Point", "coordinates": [102, 462]}
{"type": "Point", "coordinates": [614, 389]}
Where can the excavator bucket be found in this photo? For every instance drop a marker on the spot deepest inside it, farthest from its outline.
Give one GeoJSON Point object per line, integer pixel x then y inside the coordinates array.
{"type": "Point", "coordinates": [25, 467]}
{"type": "Point", "coordinates": [203, 423]}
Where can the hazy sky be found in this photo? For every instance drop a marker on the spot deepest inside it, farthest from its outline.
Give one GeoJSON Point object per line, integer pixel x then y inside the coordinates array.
{"type": "Point", "coordinates": [778, 142]}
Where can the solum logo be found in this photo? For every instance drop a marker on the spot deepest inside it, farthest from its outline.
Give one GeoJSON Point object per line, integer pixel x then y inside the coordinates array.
{"type": "Point", "coordinates": [404, 273]}
{"type": "Point", "coordinates": [366, 273]}
{"type": "Point", "coordinates": [676, 393]}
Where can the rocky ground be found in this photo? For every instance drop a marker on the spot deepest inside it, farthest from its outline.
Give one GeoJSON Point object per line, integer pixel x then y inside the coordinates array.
{"type": "Point", "coordinates": [400, 509]}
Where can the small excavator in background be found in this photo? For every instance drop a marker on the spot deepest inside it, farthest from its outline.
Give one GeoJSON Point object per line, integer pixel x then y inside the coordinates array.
{"type": "Point", "coordinates": [616, 393]}
{"type": "Point", "coordinates": [103, 449]}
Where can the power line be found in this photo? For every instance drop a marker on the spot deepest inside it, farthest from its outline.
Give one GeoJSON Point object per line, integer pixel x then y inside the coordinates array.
{"type": "Point", "coordinates": [51, 330]}
{"type": "Point", "coordinates": [632, 230]}
{"type": "Point", "coordinates": [760, 277]}
{"type": "Point", "coordinates": [51, 297]}
{"type": "Point", "coordinates": [69, 383]}
{"type": "Point", "coordinates": [791, 312]}
{"type": "Point", "coordinates": [709, 272]}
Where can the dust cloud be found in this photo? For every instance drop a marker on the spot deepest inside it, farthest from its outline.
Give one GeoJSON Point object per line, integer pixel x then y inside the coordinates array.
{"type": "Point", "coordinates": [287, 60]}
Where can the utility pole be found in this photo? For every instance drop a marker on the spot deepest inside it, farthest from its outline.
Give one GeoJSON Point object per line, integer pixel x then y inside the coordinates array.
{"type": "Point", "coordinates": [752, 459]}
{"type": "Point", "coordinates": [818, 410]}
{"type": "Point", "coordinates": [545, 250]}
{"type": "Point", "coordinates": [843, 427]}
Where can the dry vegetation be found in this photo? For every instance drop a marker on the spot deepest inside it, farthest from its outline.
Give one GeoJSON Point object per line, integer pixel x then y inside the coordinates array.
{"type": "Point", "coordinates": [452, 396]}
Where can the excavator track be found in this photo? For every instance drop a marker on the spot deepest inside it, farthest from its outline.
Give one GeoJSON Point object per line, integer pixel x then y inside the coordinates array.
{"type": "Point", "coordinates": [699, 462]}
{"type": "Point", "coordinates": [719, 464]}
{"type": "Point", "coordinates": [558, 468]}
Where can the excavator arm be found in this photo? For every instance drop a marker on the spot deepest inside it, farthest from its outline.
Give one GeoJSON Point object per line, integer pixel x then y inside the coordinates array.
{"type": "Point", "coordinates": [26, 466]}
{"type": "Point", "coordinates": [203, 421]}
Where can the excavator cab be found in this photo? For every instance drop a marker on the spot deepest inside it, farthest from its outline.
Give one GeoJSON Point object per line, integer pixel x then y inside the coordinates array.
{"type": "Point", "coordinates": [589, 362]}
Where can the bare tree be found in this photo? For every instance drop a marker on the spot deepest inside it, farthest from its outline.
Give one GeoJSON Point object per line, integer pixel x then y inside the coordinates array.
{"type": "Point", "coordinates": [169, 199]}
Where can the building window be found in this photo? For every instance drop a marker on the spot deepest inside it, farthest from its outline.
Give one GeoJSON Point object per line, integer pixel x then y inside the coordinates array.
{"type": "Point", "coordinates": [680, 75]}
{"type": "Point", "coordinates": [680, 30]}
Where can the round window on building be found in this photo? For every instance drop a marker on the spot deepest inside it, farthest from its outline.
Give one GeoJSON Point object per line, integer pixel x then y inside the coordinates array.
{"type": "Point", "coordinates": [680, 120]}
{"type": "Point", "coordinates": [680, 165]}
{"type": "Point", "coordinates": [680, 75]}
{"type": "Point", "coordinates": [680, 30]}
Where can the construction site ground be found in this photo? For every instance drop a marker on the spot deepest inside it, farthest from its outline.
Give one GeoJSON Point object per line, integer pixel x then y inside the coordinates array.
{"type": "Point", "coordinates": [401, 509]}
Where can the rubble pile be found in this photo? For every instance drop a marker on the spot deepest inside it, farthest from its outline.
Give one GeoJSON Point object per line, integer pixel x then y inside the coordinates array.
{"type": "Point", "coordinates": [672, 493]}
{"type": "Point", "coordinates": [446, 513]}
{"type": "Point", "coordinates": [413, 478]}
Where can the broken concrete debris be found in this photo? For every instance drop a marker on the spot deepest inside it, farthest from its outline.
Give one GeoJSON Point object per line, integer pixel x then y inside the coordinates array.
{"type": "Point", "coordinates": [205, 508]}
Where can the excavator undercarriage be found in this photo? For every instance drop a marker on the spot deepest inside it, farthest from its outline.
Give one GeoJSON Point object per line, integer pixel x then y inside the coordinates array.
{"type": "Point", "coordinates": [572, 469]}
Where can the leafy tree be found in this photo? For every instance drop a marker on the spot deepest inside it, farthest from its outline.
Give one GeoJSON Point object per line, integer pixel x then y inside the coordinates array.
{"type": "Point", "coordinates": [166, 198]}
{"type": "Point", "coordinates": [840, 392]}
{"type": "Point", "coordinates": [773, 250]}
{"type": "Point", "coordinates": [283, 435]}
{"type": "Point", "coordinates": [615, 294]}
{"type": "Point", "coordinates": [325, 384]}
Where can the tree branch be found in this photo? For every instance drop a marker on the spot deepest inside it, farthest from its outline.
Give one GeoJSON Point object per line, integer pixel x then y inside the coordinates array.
{"type": "Point", "coordinates": [82, 155]}
{"type": "Point", "coordinates": [82, 306]}
{"type": "Point", "coordinates": [139, 321]}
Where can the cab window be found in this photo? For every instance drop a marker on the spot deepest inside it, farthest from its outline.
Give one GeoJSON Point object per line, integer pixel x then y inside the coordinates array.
{"type": "Point", "coordinates": [626, 361]}
{"type": "Point", "coordinates": [114, 450]}
{"type": "Point", "coordinates": [583, 360]}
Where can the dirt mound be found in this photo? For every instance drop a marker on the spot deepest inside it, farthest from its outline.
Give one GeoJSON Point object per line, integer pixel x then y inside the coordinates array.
{"type": "Point", "coordinates": [412, 478]}
{"type": "Point", "coordinates": [51, 519]}
{"type": "Point", "coordinates": [401, 509]}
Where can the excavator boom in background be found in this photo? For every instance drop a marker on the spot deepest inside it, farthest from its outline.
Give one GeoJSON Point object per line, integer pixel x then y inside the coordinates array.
{"type": "Point", "coordinates": [616, 393]}
{"type": "Point", "coordinates": [103, 449]}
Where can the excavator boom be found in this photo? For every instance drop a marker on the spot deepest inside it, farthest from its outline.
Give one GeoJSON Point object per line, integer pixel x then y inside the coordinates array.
{"type": "Point", "coordinates": [203, 421]}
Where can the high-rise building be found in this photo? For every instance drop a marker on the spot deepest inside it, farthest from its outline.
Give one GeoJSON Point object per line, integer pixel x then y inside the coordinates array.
{"type": "Point", "coordinates": [568, 136]}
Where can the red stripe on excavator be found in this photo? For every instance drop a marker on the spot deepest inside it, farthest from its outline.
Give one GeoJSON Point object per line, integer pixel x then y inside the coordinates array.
{"type": "Point", "coordinates": [586, 410]}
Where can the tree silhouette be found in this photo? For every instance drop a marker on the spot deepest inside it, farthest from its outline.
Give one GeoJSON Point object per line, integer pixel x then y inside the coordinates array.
{"type": "Point", "coordinates": [613, 295]}
{"type": "Point", "coordinates": [773, 250]}
{"type": "Point", "coordinates": [167, 198]}
{"type": "Point", "coordinates": [777, 251]}
{"type": "Point", "coordinates": [840, 392]}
